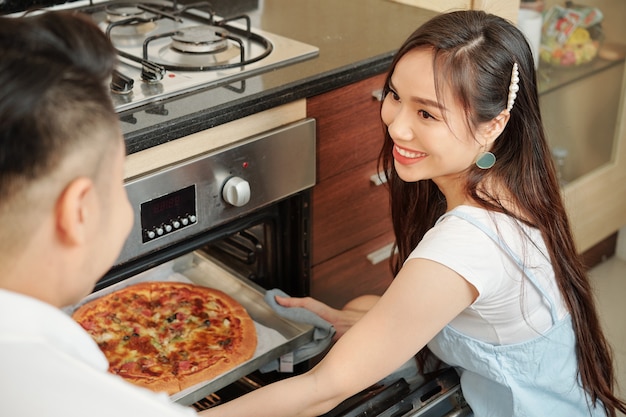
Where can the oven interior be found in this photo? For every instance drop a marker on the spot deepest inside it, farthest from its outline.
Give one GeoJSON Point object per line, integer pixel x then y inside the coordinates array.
{"type": "Point", "coordinates": [269, 247]}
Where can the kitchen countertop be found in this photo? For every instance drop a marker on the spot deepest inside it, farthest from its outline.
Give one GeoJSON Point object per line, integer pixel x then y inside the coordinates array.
{"type": "Point", "coordinates": [356, 40]}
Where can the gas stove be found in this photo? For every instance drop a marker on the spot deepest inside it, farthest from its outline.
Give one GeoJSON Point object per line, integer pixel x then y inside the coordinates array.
{"type": "Point", "coordinates": [167, 49]}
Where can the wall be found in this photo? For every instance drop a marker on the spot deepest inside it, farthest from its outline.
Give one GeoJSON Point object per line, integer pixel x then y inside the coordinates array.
{"type": "Point", "coordinates": [507, 9]}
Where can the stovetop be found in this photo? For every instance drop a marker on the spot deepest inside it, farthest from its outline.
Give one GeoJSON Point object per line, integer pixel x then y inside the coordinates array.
{"type": "Point", "coordinates": [169, 50]}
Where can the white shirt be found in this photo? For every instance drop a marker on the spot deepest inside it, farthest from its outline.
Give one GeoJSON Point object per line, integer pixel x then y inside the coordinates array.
{"type": "Point", "coordinates": [50, 366]}
{"type": "Point", "coordinates": [508, 308]}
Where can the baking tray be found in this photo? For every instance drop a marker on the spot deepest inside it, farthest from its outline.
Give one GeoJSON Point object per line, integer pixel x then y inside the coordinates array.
{"type": "Point", "coordinates": [276, 335]}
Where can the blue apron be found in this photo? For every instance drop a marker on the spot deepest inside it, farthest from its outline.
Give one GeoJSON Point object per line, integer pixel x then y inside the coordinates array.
{"type": "Point", "coordinates": [535, 378]}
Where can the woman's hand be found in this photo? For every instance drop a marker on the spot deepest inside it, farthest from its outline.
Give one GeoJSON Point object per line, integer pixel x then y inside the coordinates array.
{"type": "Point", "coordinates": [342, 319]}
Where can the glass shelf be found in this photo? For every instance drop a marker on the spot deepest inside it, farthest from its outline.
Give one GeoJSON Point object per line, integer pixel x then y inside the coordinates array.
{"type": "Point", "coordinates": [551, 78]}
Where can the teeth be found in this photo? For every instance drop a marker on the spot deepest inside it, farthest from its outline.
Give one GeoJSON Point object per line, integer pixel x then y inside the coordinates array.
{"type": "Point", "coordinates": [408, 154]}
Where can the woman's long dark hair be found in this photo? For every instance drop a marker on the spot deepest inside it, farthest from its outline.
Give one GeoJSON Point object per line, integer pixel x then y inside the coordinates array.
{"type": "Point", "coordinates": [474, 53]}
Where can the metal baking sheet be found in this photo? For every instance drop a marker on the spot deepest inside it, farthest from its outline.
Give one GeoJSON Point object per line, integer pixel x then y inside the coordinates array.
{"type": "Point", "coordinates": [276, 335]}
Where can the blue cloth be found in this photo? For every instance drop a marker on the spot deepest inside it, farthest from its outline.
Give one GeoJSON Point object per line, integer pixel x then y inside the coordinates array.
{"type": "Point", "coordinates": [538, 377]}
{"type": "Point", "coordinates": [322, 334]}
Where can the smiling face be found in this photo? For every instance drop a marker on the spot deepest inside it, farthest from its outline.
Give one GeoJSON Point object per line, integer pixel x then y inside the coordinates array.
{"type": "Point", "coordinates": [431, 137]}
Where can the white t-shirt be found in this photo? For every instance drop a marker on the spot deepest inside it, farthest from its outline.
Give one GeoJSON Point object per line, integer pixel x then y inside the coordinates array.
{"type": "Point", "coordinates": [50, 366]}
{"type": "Point", "coordinates": [508, 309]}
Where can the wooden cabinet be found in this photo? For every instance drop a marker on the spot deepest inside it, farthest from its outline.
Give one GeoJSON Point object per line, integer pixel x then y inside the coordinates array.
{"type": "Point", "coordinates": [350, 213]}
{"type": "Point", "coordinates": [352, 273]}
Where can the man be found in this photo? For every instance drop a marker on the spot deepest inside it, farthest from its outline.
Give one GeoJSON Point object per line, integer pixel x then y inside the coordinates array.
{"type": "Point", "coordinates": [64, 216]}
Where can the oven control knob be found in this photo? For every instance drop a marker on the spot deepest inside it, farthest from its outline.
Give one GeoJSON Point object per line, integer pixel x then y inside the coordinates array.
{"type": "Point", "coordinates": [236, 191]}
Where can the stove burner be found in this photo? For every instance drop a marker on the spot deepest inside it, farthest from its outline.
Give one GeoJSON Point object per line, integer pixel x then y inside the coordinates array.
{"type": "Point", "coordinates": [200, 39]}
{"type": "Point", "coordinates": [132, 22]}
{"type": "Point", "coordinates": [117, 12]}
{"type": "Point", "coordinates": [172, 56]}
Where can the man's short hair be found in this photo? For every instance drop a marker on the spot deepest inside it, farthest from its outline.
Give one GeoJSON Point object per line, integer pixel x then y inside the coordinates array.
{"type": "Point", "coordinates": [54, 71]}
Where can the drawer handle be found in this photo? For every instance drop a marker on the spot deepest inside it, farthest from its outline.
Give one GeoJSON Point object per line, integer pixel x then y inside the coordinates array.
{"type": "Point", "coordinates": [381, 254]}
{"type": "Point", "coordinates": [378, 179]}
{"type": "Point", "coordinates": [378, 94]}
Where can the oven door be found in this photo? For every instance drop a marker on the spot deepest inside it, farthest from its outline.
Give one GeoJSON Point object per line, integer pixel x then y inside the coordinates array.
{"type": "Point", "coordinates": [436, 395]}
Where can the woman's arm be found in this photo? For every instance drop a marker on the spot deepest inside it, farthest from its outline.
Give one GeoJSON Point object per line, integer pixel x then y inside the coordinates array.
{"type": "Point", "coordinates": [342, 319]}
{"type": "Point", "coordinates": [421, 300]}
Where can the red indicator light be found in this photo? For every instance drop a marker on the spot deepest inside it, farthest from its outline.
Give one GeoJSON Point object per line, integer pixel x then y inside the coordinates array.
{"type": "Point", "coordinates": [244, 165]}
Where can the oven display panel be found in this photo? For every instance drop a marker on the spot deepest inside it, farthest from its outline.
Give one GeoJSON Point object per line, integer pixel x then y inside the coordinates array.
{"type": "Point", "coordinates": [168, 213]}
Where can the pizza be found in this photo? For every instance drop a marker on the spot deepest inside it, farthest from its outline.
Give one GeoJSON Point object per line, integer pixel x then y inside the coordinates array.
{"type": "Point", "coordinates": [168, 336]}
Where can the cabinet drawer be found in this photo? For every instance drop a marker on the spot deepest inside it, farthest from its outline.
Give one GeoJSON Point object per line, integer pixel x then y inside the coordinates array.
{"type": "Point", "coordinates": [349, 130]}
{"type": "Point", "coordinates": [351, 274]}
{"type": "Point", "coordinates": [347, 210]}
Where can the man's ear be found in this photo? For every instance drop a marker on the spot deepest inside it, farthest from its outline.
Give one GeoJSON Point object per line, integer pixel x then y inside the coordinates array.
{"type": "Point", "coordinates": [73, 210]}
{"type": "Point", "coordinates": [493, 128]}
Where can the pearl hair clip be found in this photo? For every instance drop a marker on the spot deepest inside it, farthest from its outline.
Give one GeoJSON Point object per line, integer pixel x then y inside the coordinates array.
{"type": "Point", "coordinates": [513, 87]}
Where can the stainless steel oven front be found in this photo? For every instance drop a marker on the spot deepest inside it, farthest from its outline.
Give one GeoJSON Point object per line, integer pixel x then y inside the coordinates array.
{"type": "Point", "coordinates": [237, 194]}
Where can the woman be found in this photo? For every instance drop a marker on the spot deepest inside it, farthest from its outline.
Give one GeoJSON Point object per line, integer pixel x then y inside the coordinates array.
{"type": "Point", "coordinates": [487, 275]}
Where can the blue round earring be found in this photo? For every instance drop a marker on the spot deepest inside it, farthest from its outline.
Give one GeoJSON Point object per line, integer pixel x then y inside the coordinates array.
{"type": "Point", "coordinates": [485, 160]}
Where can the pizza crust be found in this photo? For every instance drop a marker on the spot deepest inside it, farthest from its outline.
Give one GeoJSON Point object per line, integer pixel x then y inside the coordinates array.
{"type": "Point", "coordinates": [169, 385]}
{"type": "Point", "coordinates": [169, 336]}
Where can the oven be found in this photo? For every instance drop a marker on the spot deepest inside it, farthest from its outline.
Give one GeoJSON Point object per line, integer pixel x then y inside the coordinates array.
{"type": "Point", "coordinates": [235, 217]}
